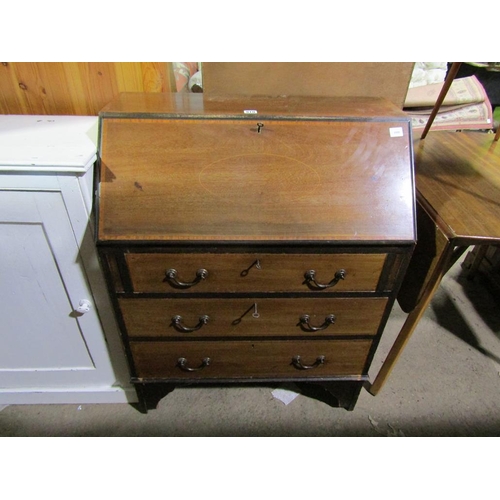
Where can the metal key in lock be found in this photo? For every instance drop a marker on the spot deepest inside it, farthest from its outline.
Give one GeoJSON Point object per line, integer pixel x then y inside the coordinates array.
{"type": "Point", "coordinates": [255, 263]}
{"type": "Point", "coordinates": [255, 313]}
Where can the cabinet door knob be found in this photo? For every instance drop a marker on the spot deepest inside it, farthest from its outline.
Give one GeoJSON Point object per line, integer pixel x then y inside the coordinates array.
{"type": "Point", "coordinates": [84, 306]}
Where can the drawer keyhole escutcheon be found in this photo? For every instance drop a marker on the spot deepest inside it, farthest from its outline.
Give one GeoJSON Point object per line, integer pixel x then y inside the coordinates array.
{"type": "Point", "coordinates": [305, 325]}
{"type": "Point", "coordinates": [297, 362]}
{"type": "Point", "coordinates": [171, 278]}
{"type": "Point", "coordinates": [259, 127]}
{"type": "Point", "coordinates": [177, 322]}
{"type": "Point", "coordinates": [182, 364]}
{"type": "Point", "coordinates": [310, 277]}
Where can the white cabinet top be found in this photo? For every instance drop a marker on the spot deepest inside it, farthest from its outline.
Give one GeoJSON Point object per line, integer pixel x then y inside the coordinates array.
{"type": "Point", "coordinates": [47, 143]}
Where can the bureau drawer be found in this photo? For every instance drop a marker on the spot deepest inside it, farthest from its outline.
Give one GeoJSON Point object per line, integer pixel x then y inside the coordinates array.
{"type": "Point", "coordinates": [237, 272]}
{"type": "Point", "coordinates": [246, 359]}
{"type": "Point", "coordinates": [251, 317]}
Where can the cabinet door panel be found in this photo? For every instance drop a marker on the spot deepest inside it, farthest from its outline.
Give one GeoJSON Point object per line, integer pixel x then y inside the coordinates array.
{"type": "Point", "coordinates": [42, 281]}
{"type": "Point", "coordinates": [39, 332]}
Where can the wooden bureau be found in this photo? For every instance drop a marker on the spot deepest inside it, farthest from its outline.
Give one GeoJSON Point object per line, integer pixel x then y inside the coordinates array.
{"type": "Point", "coordinates": [253, 240]}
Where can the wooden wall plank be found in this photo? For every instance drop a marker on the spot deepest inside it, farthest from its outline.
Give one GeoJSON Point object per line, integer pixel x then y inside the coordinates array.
{"type": "Point", "coordinates": [11, 96]}
{"type": "Point", "coordinates": [76, 88]}
{"type": "Point", "coordinates": [53, 89]}
{"type": "Point", "coordinates": [128, 77]}
{"type": "Point", "coordinates": [158, 77]}
{"type": "Point", "coordinates": [103, 84]}
{"type": "Point", "coordinates": [28, 81]}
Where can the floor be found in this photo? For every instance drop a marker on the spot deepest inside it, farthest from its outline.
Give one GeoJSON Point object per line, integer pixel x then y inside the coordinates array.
{"type": "Point", "coordinates": [447, 383]}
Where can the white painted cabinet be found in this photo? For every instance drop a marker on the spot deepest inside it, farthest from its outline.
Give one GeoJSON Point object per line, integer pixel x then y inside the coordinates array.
{"type": "Point", "coordinates": [59, 342]}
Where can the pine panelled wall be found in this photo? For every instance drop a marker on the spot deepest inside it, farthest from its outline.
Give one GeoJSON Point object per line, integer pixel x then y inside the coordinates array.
{"type": "Point", "coordinates": [76, 88]}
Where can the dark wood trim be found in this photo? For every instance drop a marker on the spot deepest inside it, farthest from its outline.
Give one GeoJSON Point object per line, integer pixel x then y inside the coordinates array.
{"type": "Point", "coordinates": [250, 295]}
{"type": "Point", "coordinates": [264, 247]}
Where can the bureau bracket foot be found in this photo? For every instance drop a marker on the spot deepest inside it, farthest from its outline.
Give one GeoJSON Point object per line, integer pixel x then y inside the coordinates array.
{"type": "Point", "coordinates": [335, 394]}
{"type": "Point", "coordinates": [150, 395]}
{"type": "Point", "coordinates": [340, 394]}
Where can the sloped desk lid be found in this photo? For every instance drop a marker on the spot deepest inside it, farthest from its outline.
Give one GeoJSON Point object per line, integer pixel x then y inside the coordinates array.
{"type": "Point", "coordinates": [195, 170]}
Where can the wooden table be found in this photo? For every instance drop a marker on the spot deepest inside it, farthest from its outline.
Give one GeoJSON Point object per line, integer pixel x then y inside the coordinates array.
{"type": "Point", "coordinates": [458, 205]}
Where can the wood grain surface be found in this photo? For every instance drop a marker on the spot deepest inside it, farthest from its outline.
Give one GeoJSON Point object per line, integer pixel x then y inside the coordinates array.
{"type": "Point", "coordinates": [76, 88]}
{"type": "Point", "coordinates": [245, 359]}
{"type": "Point", "coordinates": [174, 105]}
{"type": "Point", "coordinates": [374, 79]}
{"type": "Point", "coordinates": [234, 317]}
{"type": "Point", "coordinates": [236, 272]}
{"type": "Point", "coordinates": [296, 180]}
{"type": "Point", "coordinates": [458, 179]}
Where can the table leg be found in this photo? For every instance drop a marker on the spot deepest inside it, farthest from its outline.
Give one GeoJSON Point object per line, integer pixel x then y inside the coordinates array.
{"type": "Point", "coordinates": [413, 319]}
{"type": "Point", "coordinates": [480, 253]}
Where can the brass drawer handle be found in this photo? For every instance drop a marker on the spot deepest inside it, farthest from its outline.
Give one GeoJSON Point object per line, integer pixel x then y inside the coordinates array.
{"type": "Point", "coordinates": [182, 364]}
{"type": "Point", "coordinates": [296, 361]}
{"type": "Point", "coordinates": [177, 322]}
{"type": "Point", "coordinates": [310, 277]}
{"type": "Point", "coordinates": [305, 325]}
{"type": "Point", "coordinates": [171, 277]}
